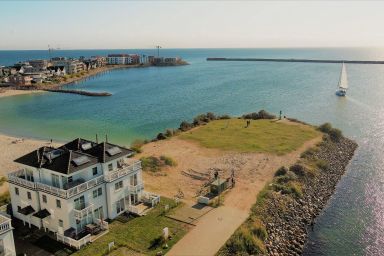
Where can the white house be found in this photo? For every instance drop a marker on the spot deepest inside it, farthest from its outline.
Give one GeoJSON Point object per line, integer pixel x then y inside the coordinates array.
{"type": "Point", "coordinates": [72, 189]}
{"type": "Point", "coordinates": [7, 245]}
{"type": "Point", "coordinates": [123, 59]}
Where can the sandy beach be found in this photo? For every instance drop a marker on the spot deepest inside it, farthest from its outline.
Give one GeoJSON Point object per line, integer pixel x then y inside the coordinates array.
{"type": "Point", "coordinates": [14, 92]}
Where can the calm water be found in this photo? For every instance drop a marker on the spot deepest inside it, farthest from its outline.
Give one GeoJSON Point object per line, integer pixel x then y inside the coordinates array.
{"type": "Point", "coordinates": [148, 100]}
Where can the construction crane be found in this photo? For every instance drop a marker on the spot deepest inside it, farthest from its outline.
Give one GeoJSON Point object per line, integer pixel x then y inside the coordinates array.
{"type": "Point", "coordinates": [158, 50]}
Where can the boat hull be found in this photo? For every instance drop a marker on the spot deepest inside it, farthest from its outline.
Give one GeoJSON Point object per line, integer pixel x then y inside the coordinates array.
{"type": "Point", "coordinates": [341, 93]}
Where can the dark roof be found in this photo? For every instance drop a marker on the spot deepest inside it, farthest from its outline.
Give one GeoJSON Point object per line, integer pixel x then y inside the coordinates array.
{"type": "Point", "coordinates": [26, 210]}
{"type": "Point", "coordinates": [42, 214]}
{"type": "Point", "coordinates": [66, 158]}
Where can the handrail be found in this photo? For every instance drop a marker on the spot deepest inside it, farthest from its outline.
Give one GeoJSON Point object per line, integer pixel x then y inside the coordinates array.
{"type": "Point", "coordinates": [72, 242]}
{"type": "Point", "coordinates": [79, 214]}
{"type": "Point", "coordinates": [125, 170]}
{"type": "Point", "coordinates": [5, 224]}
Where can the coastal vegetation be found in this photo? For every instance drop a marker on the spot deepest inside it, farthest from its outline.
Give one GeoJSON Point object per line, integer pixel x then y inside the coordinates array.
{"type": "Point", "coordinates": [292, 200]}
{"type": "Point", "coordinates": [261, 135]}
{"type": "Point", "coordinates": [140, 235]}
{"type": "Point", "coordinates": [155, 164]}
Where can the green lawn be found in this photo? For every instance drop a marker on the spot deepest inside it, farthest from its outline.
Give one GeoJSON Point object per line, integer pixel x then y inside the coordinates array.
{"type": "Point", "coordinates": [139, 233]}
{"type": "Point", "coordinates": [266, 136]}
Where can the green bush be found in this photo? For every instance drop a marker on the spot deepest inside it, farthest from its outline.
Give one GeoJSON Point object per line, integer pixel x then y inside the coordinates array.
{"type": "Point", "coordinates": [325, 128]}
{"type": "Point", "coordinates": [322, 164]}
{"type": "Point", "coordinates": [262, 114]}
{"type": "Point", "coordinates": [289, 176]}
{"type": "Point", "coordinates": [281, 171]}
{"type": "Point", "coordinates": [297, 169]}
{"type": "Point", "coordinates": [169, 132]}
{"type": "Point", "coordinates": [296, 189]}
{"type": "Point", "coordinates": [168, 160]}
{"type": "Point", "coordinates": [258, 229]}
{"type": "Point", "coordinates": [224, 117]}
{"type": "Point", "coordinates": [185, 126]}
{"type": "Point", "coordinates": [244, 241]}
{"type": "Point", "coordinates": [5, 198]}
{"type": "Point", "coordinates": [151, 163]}
{"type": "Point", "coordinates": [334, 134]}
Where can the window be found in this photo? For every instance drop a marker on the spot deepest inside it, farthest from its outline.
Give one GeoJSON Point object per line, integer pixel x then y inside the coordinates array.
{"type": "Point", "coordinates": [58, 203]}
{"type": "Point", "coordinates": [94, 171]}
{"type": "Point", "coordinates": [110, 167]}
{"type": "Point", "coordinates": [97, 192]}
{"type": "Point", "coordinates": [44, 198]}
{"type": "Point", "coordinates": [70, 179]}
{"type": "Point", "coordinates": [80, 203]}
{"type": "Point", "coordinates": [18, 208]}
{"type": "Point", "coordinates": [118, 185]}
{"type": "Point", "coordinates": [99, 213]}
{"type": "Point", "coordinates": [120, 205]}
{"type": "Point", "coordinates": [17, 191]}
{"type": "Point", "coordinates": [29, 195]}
{"type": "Point", "coordinates": [133, 180]}
{"type": "Point", "coordinates": [29, 175]}
{"type": "Point", "coordinates": [61, 223]}
{"type": "Point", "coordinates": [55, 181]}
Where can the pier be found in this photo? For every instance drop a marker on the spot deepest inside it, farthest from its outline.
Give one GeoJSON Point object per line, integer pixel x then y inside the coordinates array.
{"type": "Point", "coordinates": [80, 92]}
{"type": "Point", "coordinates": [299, 60]}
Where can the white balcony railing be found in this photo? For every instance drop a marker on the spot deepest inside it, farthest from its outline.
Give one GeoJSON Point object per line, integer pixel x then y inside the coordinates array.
{"type": "Point", "coordinates": [135, 189]}
{"type": "Point", "coordinates": [80, 214]}
{"type": "Point", "coordinates": [103, 224]}
{"type": "Point", "coordinates": [5, 224]}
{"type": "Point", "coordinates": [123, 171]}
{"type": "Point", "coordinates": [72, 242]}
{"type": "Point", "coordinates": [17, 178]}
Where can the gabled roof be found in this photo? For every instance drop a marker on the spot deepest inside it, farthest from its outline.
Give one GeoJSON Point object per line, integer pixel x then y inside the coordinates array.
{"type": "Point", "coordinates": [73, 156]}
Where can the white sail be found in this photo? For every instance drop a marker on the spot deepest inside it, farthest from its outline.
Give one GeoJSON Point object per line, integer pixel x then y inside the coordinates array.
{"type": "Point", "coordinates": [343, 82]}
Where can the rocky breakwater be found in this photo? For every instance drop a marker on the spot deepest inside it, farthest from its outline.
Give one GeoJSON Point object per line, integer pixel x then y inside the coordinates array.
{"type": "Point", "coordinates": [287, 218]}
{"type": "Point", "coordinates": [80, 92]}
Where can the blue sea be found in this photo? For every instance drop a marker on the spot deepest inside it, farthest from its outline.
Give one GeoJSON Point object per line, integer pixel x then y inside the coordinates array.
{"type": "Point", "coordinates": [146, 101]}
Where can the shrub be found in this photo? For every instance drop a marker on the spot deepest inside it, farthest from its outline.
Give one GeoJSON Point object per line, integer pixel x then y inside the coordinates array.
{"type": "Point", "coordinates": [168, 160]}
{"type": "Point", "coordinates": [297, 169]}
{"type": "Point", "coordinates": [325, 128]}
{"type": "Point", "coordinates": [286, 178]}
{"type": "Point", "coordinates": [322, 164]}
{"type": "Point", "coordinates": [258, 229]}
{"type": "Point", "coordinates": [308, 153]}
{"type": "Point", "coordinates": [224, 117]}
{"type": "Point", "coordinates": [151, 163]}
{"type": "Point", "coordinates": [211, 116]}
{"type": "Point", "coordinates": [5, 198]}
{"type": "Point", "coordinates": [185, 126]}
{"type": "Point", "coordinates": [169, 133]}
{"type": "Point", "coordinates": [262, 114]}
{"type": "Point", "coordinates": [161, 136]}
{"type": "Point", "coordinates": [335, 134]}
{"type": "Point", "coordinates": [281, 171]}
{"type": "Point", "coordinates": [295, 189]}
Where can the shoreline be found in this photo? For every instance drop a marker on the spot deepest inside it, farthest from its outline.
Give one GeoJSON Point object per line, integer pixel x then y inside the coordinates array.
{"type": "Point", "coordinates": [14, 91]}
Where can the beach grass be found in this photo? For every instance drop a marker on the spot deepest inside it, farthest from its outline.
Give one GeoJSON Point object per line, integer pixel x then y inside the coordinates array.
{"type": "Point", "coordinates": [139, 234]}
{"type": "Point", "coordinates": [263, 136]}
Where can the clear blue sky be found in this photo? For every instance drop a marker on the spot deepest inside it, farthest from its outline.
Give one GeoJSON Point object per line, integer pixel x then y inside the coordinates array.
{"type": "Point", "coordinates": [190, 24]}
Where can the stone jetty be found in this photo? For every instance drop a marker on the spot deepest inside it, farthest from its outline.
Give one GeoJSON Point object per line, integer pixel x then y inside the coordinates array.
{"type": "Point", "coordinates": [80, 92]}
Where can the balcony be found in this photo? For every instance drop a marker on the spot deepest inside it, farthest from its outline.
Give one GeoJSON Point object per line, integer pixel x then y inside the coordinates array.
{"type": "Point", "coordinates": [80, 214]}
{"type": "Point", "coordinates": [18, 178]}
{"type": "Point", "coordinates": [5, 224]}
{"type": "Point", "coordinates": [124, 170]}
{"type": "Point", "coordinates": [73, 242]}
{"type": "Point", "coordinates": [135, 189]}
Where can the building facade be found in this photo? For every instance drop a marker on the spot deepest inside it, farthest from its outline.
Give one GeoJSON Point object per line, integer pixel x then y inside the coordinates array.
{"type": "Point", "coordinates": [7, 244]}
{"type": "Point", "coordinates": [66, 189]}
{"type": "Point", "coordinates": [123, 59]}
{"type": "Point", "coordinates": [71, 66]}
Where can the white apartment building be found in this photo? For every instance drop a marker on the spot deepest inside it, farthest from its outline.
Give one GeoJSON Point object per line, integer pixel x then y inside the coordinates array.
{"type": "Point", "coordinates": [68, 189]}
{"type": "Point", "coordinates": [7, 244]}
{"type": "Point", "coordinates": [71, 66]}
{"type": "Point", "coordinates": [123, 59]}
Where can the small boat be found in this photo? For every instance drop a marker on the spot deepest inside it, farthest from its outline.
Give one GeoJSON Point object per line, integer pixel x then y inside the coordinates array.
{"type": "Point", "coordinates": [343, 82]}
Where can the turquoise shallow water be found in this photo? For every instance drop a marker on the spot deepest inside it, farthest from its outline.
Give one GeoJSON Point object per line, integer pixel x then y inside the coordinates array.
{"type": "Point", "coordinates": [148, 100]}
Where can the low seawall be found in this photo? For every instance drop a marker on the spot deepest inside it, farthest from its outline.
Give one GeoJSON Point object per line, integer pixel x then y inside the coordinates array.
{"type": "Point", "coordinates": [299, 60]}
{"type": "Point", "coordinates": [288, 219]}
{"type": "Point", "coordinates": [80, 92]}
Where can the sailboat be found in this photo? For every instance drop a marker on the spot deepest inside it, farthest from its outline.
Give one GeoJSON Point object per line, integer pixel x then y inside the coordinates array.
{"type": "Point", "coordinates": [343, 82]}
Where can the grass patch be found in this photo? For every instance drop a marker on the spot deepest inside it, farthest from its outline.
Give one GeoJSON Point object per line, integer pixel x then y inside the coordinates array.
{"type": "Point", "coordinates": [154, 164]}
{"type": "Point", "coordinates": [140, 233]}
{"type": "Point", "coordinates": [261, 136]}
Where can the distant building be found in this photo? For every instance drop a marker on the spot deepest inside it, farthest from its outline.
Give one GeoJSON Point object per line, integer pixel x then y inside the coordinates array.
{"type": "Point", "coordinates": [57, 70]}
{"type": "Point", "coordinates": [20, 80]}
{"type": "Point", "coordinates": [123, 59]}
{"type": "Point", "coordinates": [39, 64]}
{"type": "Point", "coordinates": [95, 62]}
{"type": "Point", "coordinates": [71, 66]}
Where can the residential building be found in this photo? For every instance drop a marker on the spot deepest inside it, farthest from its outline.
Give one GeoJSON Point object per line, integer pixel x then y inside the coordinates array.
{"type": "Point", "coordinates": [123, 59]}
{"type": "Point", "coordinates": [57, 70]}
{"type": "Point", "coordinates": [82, 183]}
{"type": "Point", "coordinates": [71, 66]}
{"type": "Point", "coordinates": [7, 244]}
{"type": "Point", "coordinates": [20, 80]}
{"type": "Point", "coordinates": [39, 64]}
